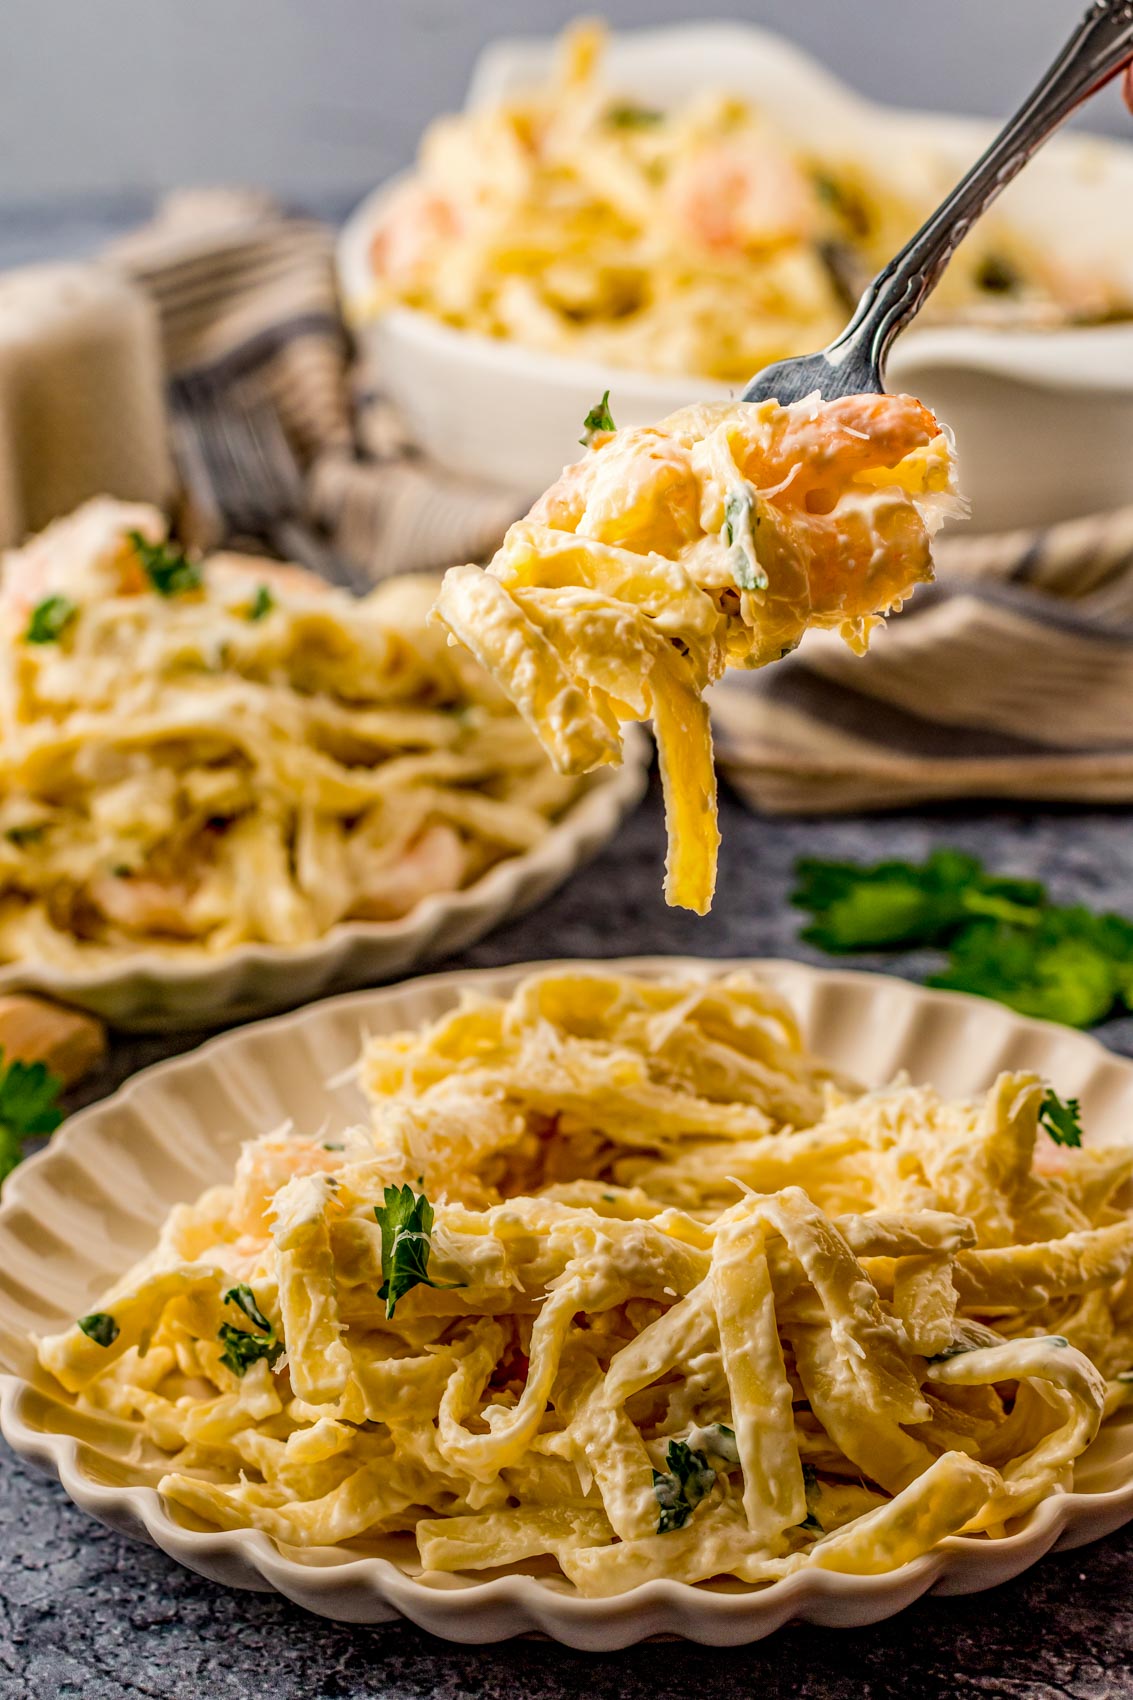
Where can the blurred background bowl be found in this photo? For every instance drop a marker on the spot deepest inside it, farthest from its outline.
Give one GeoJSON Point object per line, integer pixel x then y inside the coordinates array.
{"type": "Point", "coordinates": [1043, 418]}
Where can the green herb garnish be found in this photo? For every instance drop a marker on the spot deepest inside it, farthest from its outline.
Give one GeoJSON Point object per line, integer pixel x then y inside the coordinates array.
{"type": "Point", "coordinates": [901, 903]}
{"type": "Point", "coordinates": [406, 1221]}
{"type": "Point", "coordinates": [625, 115]}
{"type": "Point", "coordinates": [168, 568]}
{"type": "Point", "coordinates": [50, 619]}
{"type": "Point", "coordinates": [99, 1327]}
{"type": "Point", "coordinates": [21, 835]}
{"type": "Point", "coordinates": [597, 420]}
{"type": "Point", "coordinates": [998, 275]}
{"type": "Point", "coordinates": [1003, 938]}
{"type": "Point", "coordinates": [28, 1093]}
{"type": "Point", "coordinates": [245, 1299]}
{"type": "Point", "coordinates": [741, 518]}
{"type": "Point", "coordinates": [261, 604]}
{"type": "Point", "coordinates": [242, 1350]}
{"type": "Point", "coordinates": [690, 1477]}
{"type": "Point", "coordinates": [812, 1491]}
{"type": "Point", "coordinates": [1062, 1121]}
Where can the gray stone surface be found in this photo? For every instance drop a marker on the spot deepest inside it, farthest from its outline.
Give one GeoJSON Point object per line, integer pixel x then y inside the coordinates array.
{"type": "Point", "coordinates": [88, 1615]}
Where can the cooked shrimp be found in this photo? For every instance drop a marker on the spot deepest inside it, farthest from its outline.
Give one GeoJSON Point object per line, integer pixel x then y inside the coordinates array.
{"type": "Point", "coordinates": [743, 194]}
{"type": "Point", "coordinates": [433, 862]}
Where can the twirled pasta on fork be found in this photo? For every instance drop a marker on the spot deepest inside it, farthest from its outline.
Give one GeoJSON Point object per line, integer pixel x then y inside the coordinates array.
{"type": "Point", "coordinates": [668, 553]}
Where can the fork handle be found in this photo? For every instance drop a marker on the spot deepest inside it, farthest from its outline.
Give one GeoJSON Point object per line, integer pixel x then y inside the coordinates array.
{"type": "Point", "coordinates": [1099, 48]}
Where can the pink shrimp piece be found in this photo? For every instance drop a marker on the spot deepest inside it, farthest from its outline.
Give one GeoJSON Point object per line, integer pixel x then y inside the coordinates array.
{"type": "Point", "coordinates": [736, 195]}
{"type": "Point", "coordinates": [821, 451]}
{"type": "Point", "coordinates": [269, 1164]}
{"type": "Point", "coordinates": [416, 219]}
{"type": "Point", "coordinates": [435, 861]}
{"type": "Point", "coordinates": [142, 904]}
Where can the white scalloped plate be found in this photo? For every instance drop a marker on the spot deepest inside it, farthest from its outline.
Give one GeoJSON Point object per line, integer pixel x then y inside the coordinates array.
{"type": "Point", "coordinates": [74, 1217]}
{"type": "Point", "coordinates": [149, 992]}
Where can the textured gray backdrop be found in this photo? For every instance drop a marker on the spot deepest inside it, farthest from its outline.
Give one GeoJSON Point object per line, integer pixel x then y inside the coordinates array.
{"type": "Point", "coordinates": [113, 97]}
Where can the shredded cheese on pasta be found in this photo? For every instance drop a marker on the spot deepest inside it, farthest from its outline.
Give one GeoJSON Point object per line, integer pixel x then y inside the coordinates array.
{"type": "Point", "coordinates": [670, 552]}
{"type": "Point", "coordinates": [700, 239]}
{"type": "Point", "coordinates": [250, 757]}
{"type": "Point", "coordinates": [620, 1280]}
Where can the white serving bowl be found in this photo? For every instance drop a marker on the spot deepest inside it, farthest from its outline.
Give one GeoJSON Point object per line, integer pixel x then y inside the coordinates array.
{"type": "Point", "coordinates": [73, 1219]}
{"type": "Point", "coordinates": [1043, 419]}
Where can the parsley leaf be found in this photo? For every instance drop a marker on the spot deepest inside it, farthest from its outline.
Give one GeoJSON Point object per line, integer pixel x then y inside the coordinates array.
{"type": "Point", "coordinates": [242, 1350]}
{"type": "Point", "coordinates": [244, 1297]}
{"type": "Point", "coordinates": [812, 1490]}
{"type": "Point", "coordinates": [1068, 966]}
{"type": "Point", "coordinates": [678, 1493]}
{"type": "Point", "coordinates": [741, 516]}
{"type": "Point", "coordinates": [168, 568]}
{"type": "Point", "coordinates": [28, 1093]}
{"type": "Point", "coordinates": [625, 115]}
{"type": "Point", "coordinates": [261, 604]}
{"type": "Point", "coordinates": [406, 1221]}
{"type": "Point", "coordinates": [100, 1327]}
{"type": "Point", "coordinates": [598, 419]}
{"type": "Point", "coordinates": [1062, 1121]}
{"type": "Point", "coordinates": [898, 903]}
{"type": "Point", "coordinates": [1004, 940]}
{"type": "Point", "coordinates": [50, 619]}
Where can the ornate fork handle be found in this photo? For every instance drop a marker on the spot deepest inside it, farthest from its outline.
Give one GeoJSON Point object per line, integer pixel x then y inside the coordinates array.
{"type": "Point", "coordinates": [1099, 48]}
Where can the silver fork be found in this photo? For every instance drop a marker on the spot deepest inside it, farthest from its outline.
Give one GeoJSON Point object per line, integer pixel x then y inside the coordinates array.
{"type": "Point", "coordinates": [237, 462]}
{"type": "Point", "coordinates": [854, 363]}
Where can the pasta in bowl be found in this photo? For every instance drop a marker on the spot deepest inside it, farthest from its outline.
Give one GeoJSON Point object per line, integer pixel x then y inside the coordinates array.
{"type": "Point", "coordinates": [204, 759]}
{"type": "Point", "coordinates": [619, 1283]}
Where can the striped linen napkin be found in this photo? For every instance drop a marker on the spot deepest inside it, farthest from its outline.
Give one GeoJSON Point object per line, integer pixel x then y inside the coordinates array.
{"type": "Point", "coordinates": [247, 298]}
{"type": "Point", "coordinates": [1010, 677]}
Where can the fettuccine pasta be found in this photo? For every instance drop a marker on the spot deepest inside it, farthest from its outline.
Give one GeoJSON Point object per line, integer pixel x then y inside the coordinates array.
{"type": "Point", "coordinates": [197, 755]}
{"type": "Point", "coordinates": [670, 552]}
{"type": "Point", "coordinates": [701, 239]}
{"type": "Point", "coordinates": [619, 1281]}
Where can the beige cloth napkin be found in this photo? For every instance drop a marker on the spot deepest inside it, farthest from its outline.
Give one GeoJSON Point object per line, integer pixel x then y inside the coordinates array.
{"type": "Point", "coordinates": [247, 297]}
{"type": "Point", "coordinates": [1011, 677]}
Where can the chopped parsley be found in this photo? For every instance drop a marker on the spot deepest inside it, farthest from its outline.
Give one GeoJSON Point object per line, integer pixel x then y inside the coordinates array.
{"type": "Point", "coordinates": [245, 1299]}
{"type": "Point", "coordinates": [741, 517]}
{"type": "Point", "coordinates": [812, 1490]}
{"type": "Point", "coordinates": [261, 604]}
{"type": "Point", "coordinates": [680, 1490]}
{"type": "Point", "coordinates": [1062, 1121]}
{"type": "Point", "coordinates": [406, 1222]}
{"type": "Point", "coordinates": [599, 419]}
{"type": "Point", "coordinates": [22, 835]}
{"type": "Point", "coordinates": [625, 115]}
{"type": "Point", "coordinates": [50, 619]}
{"type": "Point", "coordinates": [1003, 938]}
{"type": "Point", "coordinates": [242, 1350]}
{"type": "Point", "coordinates": [100, 1327]}
{"type": "Point", "coordinates": [998, 275]}
{"type": "Point", "coordinates": [169, 569]}
{"type": "Point", "coordinates": [28, 1094]}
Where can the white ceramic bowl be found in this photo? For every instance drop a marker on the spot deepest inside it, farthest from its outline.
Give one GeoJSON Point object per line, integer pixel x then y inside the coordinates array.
{"type": "Point", "coordinates": [1043, 419]}
{"type": "Point", "coordinates": [73, 1219]}
{"type": "Point", "coordinates": [148, 992]}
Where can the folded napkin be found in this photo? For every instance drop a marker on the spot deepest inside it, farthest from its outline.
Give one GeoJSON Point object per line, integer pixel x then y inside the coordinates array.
{"type": "Point", "coordinates": [1011, 677]}
{"type": "Point", "coordinates": [247, 299]}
